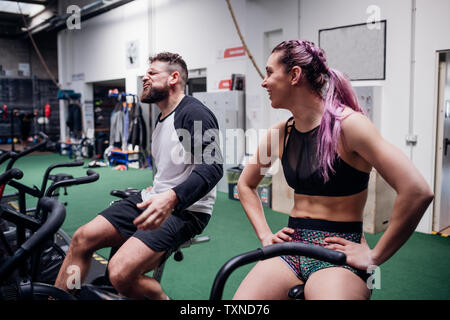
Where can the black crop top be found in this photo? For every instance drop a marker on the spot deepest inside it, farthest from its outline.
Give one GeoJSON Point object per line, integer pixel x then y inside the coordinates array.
{"type": "Point", "coordinates": [300, 166]}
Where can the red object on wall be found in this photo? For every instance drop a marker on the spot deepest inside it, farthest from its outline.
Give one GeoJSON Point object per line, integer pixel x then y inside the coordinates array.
{"type": "Point", "coordinates": [225, 84]}
{"type": "Point", "coordinates": [47, 110]}
{"type": "Point", "coordinates": [234, 52]}
{"type": "Point", "coordinates": [5, 111]}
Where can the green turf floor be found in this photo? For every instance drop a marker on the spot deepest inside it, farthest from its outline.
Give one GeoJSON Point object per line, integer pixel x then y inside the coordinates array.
{"type": "Point", "coordinates": [420, 270]}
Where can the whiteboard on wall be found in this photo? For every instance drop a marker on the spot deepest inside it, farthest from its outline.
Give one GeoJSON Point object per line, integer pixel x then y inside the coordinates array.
{"type": "Point", "coordinates": [357, 50]}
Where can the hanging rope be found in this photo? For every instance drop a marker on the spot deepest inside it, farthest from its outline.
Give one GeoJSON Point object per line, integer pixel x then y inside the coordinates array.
{"type": "Point", "coordinates": [242, 39]}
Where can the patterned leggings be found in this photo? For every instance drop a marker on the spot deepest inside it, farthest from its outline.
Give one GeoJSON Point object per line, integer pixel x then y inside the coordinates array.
{"type": "Point", "coordinates": [314, 231]}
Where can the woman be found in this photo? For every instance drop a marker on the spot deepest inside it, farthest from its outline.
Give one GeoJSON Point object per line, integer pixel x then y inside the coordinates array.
{"type": "Point", "coordinates": [327, 150]}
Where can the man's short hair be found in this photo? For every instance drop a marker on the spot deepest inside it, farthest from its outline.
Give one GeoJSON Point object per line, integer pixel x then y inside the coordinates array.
{"type": "Point", "coordinates": [175, 62]}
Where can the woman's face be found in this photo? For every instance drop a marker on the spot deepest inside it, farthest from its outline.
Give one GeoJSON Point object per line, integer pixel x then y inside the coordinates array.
{"type": "Point", "coordinates": [277, 82]}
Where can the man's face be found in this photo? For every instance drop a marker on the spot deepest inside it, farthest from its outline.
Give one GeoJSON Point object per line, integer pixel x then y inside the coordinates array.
{"type": "Point", "coordinates": [156, 83]}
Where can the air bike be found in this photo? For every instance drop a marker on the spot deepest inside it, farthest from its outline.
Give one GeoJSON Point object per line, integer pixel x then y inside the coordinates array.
{"type": "Point", "coordinates": [29, 290]}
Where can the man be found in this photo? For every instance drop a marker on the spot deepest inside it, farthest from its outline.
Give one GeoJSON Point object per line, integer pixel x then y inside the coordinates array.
{"type": "Point", "coordinates": [147, 226]}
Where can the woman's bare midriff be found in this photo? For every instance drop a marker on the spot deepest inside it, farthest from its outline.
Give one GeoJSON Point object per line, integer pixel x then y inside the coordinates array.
{"type": "Point", "coordinates": [345, 209]}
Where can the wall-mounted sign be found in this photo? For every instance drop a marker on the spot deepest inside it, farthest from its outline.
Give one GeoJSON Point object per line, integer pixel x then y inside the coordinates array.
{"type": "Point", "coordinates": [232, 53]}
{"type": "Point", "coordinates": [78, 77]}
{"type": "Point", "coordinates": [225, 84]}
{"type": "Point", "coordinates": [132, 54]}
{"type": "Point", "coordinates": [24, 69]}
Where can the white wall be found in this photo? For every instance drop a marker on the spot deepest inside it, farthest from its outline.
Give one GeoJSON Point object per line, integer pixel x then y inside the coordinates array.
{"type": "Point", "coordinates": [395, 104]}
{"type": "Point", "coordinates": [98, 48]}
{"type": "Point", "coordinates": [266, 16]}
{"type": "Point", "coordinates": [197, 29]}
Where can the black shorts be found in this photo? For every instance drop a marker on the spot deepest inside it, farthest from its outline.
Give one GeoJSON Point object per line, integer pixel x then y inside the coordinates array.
{"type": "Point", "coordinates": [178, 228]}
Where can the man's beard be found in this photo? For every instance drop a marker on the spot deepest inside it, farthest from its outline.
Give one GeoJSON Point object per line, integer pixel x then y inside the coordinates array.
{"type": "Point", "coordinates": [154, 95]}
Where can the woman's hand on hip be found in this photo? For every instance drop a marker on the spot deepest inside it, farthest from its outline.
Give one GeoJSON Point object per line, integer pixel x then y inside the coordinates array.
{"type": "Point", "coordinates": [359, 255]}
{"type": "Point", "coordinates": [284, 235]}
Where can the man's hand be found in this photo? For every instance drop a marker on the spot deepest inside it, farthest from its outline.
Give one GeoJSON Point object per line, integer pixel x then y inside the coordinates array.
{"type": "Point", "coordinates": [159, 207]}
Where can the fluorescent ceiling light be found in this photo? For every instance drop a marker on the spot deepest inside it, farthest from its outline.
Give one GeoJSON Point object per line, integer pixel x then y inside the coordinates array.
{"type": "Point", "coordinates": [28, 9]}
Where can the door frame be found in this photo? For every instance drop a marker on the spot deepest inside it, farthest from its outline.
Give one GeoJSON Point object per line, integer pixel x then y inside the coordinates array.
{"type": "Point", "coordinates": [440, 94]}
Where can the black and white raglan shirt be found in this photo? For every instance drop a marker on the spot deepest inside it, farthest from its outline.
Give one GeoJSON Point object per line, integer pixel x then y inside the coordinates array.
{"type": "Point", "coordinates": [187, 156]}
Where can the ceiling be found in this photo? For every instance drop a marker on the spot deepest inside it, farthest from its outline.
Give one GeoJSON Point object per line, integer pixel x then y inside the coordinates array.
{"type": "Point", "coordinates": [29, 9]}
{"type": "Point", "coordinates": [42, 15]}
{"type": "Point", "coordinates": [11, 21]}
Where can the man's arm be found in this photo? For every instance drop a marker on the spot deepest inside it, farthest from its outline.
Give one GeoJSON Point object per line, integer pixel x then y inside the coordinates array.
{"type": "Point", "coordinates": [206, 154]}
{"type": "Point", "coordinates": [202, 129]}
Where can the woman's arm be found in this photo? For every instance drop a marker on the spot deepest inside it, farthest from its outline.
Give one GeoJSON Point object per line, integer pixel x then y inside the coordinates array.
{"type": "Point", "coordinates": [267, 153]}
{"type": "Point", "coordinates": [413, 193]}
{"type": "Point", "coordinates": [248, 195]}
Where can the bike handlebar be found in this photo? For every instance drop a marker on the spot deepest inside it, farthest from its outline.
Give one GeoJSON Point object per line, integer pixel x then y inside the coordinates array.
{"type": "Point", "coordinates": [9, 175]}
{"type": "Point", "coordinates": [6, 156]}
{"type": "Point", "coordinates": [91, 177]}
{"type": "Point", "coordinates": [267, 252]}
{"type": "Point", "coordinates": [58, 165]}
{"type": "Point", "coordinates": [16, 156]}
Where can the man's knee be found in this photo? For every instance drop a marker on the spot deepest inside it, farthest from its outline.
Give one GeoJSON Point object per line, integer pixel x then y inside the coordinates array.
{"type": "Point", "coordinates": [120, 276]}
{"type": "Point", "coordinates": [83, 240]}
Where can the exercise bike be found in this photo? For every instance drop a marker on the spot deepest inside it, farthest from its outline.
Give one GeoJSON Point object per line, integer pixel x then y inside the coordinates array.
{"type": "Point", "coordinates": [15, 202]}
{"type": "Point", "coordinates": [15, 282]}
{"type": "Point", "coordinates": [14, 230]}
{"type": "Point", "coordinates": [98, 290]}
{"type": "Point", "coordinates": [31, 290]}
{"type": "Point", "coordinates": [101, 288]}
{"type": "Point", "coordinates": [20, 286]}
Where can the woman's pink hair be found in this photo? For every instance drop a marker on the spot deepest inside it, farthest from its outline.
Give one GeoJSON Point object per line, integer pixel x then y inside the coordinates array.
{"type": "Point", "coordinates": [331, 85]}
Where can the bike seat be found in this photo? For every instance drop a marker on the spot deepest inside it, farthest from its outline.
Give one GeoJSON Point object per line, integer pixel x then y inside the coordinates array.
{"type": "Point", "coordinates": [124, 193]}
{"type": "Point", "coordinates": [91, 292]}
{"type": "Point", "coordinates": [60, 177]}
{"type": "Point", "coordinates": [297, 292]}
